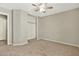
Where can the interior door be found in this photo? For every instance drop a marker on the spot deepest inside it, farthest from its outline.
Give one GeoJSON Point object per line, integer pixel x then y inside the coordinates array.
{"type": "Point", "coordinates": [3, 27]}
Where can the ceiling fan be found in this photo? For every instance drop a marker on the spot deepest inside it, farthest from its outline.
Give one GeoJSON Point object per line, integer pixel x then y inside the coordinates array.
{"type": "Point", "coordinates": [42, 7]}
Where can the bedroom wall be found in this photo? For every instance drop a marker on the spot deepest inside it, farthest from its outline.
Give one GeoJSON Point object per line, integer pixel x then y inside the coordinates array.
{"type": "Point", "coordinates": [16, 26]}
{"type": "Point", "coordinates": [22, 29]}
{"type": "Point", "coordinates": [28, 26]}
{"type": "Point", "coordinates": [62, 27]}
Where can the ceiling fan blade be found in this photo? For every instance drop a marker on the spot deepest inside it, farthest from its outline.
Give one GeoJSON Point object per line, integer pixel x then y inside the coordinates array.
{"type": "Point", "coordinates": [49, 7]}
{"type": "Point", "coordinates": [40, 4]}
{"type": "Point", "coordinates": [34, 5]}
{"type": "Point", "coordinates": [36, 10]}
{"type": "Point", "coordinates": [44, 11]}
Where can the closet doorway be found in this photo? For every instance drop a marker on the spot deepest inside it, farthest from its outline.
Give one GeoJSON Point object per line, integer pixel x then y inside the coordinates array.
{"type": "Point", "coordinates": [3, 29]}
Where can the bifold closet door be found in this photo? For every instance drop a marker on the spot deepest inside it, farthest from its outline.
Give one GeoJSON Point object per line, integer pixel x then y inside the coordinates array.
{"type": "Point", "coordinates": [3, 20]}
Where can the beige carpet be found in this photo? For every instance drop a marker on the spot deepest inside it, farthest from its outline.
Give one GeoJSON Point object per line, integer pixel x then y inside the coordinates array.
{"type": "Point", "coordinates": [39, 48]}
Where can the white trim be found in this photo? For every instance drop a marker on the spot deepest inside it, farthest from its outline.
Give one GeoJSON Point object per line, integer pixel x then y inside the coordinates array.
{"type": "Point", "coordinates": [23, 43]}
{"type": "Point", "coordinates": [60, 42]}
{"type": "Point", "coordinates": [7, 26]}
{"type": "Point", "coordinates": [3, 13]}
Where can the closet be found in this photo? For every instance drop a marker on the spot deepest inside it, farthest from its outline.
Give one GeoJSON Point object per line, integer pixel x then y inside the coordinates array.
{"type": "Point", "coordinates": [3, 27]}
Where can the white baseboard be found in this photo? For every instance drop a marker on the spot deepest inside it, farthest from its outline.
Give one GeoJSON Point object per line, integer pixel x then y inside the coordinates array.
{"type": "Point", "coordinates": [2, 39]}
{"type": "Point", "coordinates": [31, 38]}
{"type": "Point", "coordinates": [61, 42]}
{"type": "Point", "coordinates": [9, 43]}
{"type": "Point", "coordinates": [23, 43]}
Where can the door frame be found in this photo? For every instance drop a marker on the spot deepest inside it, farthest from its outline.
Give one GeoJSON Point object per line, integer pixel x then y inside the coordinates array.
{"type": "Point", "coordinates": [7, 26]}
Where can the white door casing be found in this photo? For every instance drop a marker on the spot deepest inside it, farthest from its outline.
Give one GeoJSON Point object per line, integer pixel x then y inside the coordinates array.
{"type": "Point", "coordinates": [7, 24]}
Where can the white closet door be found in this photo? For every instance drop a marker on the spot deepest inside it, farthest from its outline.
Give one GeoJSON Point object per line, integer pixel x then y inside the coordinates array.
{"type": "Point", "coordinates": [2, 27]}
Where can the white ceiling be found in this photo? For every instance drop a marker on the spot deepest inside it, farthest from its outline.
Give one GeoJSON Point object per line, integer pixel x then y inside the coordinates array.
{"type": "Point", "coordinates": [58, 7]}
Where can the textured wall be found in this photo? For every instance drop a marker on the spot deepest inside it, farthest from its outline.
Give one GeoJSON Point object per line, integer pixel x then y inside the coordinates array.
{"type": "Point", "coordinates": [16, 26]}
{"type": "Point", "coordinates": [62, 27]}
{"type": "Point", "coordinates": [22, 29]}
{"type": "Point", "coordinates": [28, 26]}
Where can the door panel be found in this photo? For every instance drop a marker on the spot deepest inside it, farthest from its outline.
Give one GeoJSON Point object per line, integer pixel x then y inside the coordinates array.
{"type": "Point", "coordinates": [2, 27]}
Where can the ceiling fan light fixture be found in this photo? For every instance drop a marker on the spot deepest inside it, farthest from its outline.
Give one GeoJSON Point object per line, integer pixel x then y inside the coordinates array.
{"type": "Point", "coordinates": [42, 10]}
{"type": "Point", "coordinates": [42, 7]}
